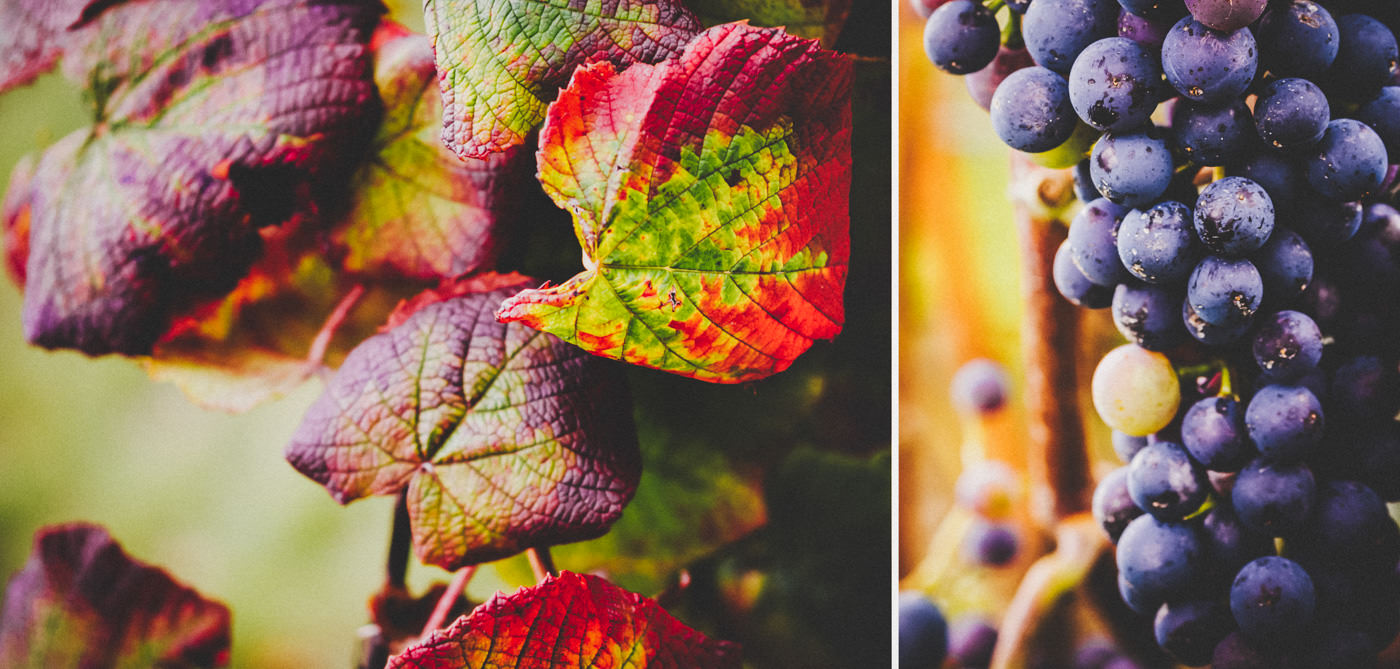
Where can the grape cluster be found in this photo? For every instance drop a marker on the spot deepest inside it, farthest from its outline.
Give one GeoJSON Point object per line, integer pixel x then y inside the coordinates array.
{"type": "Point", "coordinates": [1234, 160]}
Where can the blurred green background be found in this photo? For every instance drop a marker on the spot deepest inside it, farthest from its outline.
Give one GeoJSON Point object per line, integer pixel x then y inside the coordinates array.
{"type": "Point", "coordinates": [208, 496]}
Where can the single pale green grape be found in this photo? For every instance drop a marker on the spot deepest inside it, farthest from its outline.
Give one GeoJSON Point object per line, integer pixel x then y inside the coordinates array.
{"type": "Point", "coordinates": [1135, 390]}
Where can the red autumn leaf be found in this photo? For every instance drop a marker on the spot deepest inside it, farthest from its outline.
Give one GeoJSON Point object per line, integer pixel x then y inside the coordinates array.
{"type": "Point", "coordinates": [710, 194]}
{"type": "Point", "coordinates": [80, 601]}
{"type": "Point", "coordinates": [502, 61]}
{"type": "Point", "coordinates": [212, 121]}
{"type": "Point", "coordinates": [574, 621]}
{"type": "Point", "coordinates": [505, 438]}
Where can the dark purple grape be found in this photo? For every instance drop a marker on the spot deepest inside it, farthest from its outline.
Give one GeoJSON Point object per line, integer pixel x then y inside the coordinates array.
{"type": "Point", "coordinates": [923, 632]}
{"type": "Point", "coordinates": [1287, 344]}
{"type": "Point", "coordinates": [1159, 245]}
{"type": "Point", "coordinates": [1093, 242]}
{"type": "Point", "coordinates": [1233, 216]}
{"type": "Point", "coordinates": [1147, 32]}
{"type": "Point", "coordinates": [1280, 176]}
{"type": "Point", "coordinates": [1297, 39]}
{"type": "Point", "coordinates": [1209, 333]}
{"type": "Point", "coordinates": [1125, 446]}
{"type": "Point", "coordinates": [1285, 422]}
{"type": "Point", "coordinates": [1055, 31]}
{"type": "Point", "coordinates": [991, 544]}
{"type": "Point", "coordinates": [1349, 162]}
{"type": "Point", "coordinates": [1147, 315]}
{"type": "Point", "coordinates": [1272, 599]}
{"type": "Point", "coordinates": [1164, 481]}
{"type": "Point", "coordinates": [962, 36]}
{"type": "Point", "coordinates": [1213, 432]}
{"type": "Point", "coordinates": [1207, 65]}
{"type": "Point", "coordinates": [1113, 84]}
{"type": "Point", "coordinates": [1031, 111]}
{"type": "Point", "coordinates": [1160, 560]}
{"type": "Point", "coordinates": [1076, 287]}
{"type": "Point", "coordinates": [970, 642]}
{"type": "Point", "coordinates": [1291, 114]}
{"type": "Point", "coordinates": [1272, 498]}
{"type": "Point", "coordinates": [980, 386]}
{"type": "Point", "coordinates": [1366, 57]}
{"type": "Point", "coordinates": [1225, 291]}
{"type": "Point", "coordinates": [1324, 223]}
{"type": "Point", "coordinates": [1382, 113]}
{"type": "Point", "coordinates": [1286, 264]}
{"type": "Point", "coordinates": [1132, 169]}
{"type": "Point", "coordinates": [1212, 134]}
{"type": "Point", "coordinates": [1230, 543]}
{"type": "Point", "coordinates": [1112, 506]}
{"type": "Point", "coordinates": [1226, 15]}
{"type": "Point", "coordinates": [1190, 629]}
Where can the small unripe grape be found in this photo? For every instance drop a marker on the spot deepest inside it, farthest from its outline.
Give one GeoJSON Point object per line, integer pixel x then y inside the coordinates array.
{"type": "Point", "coordinates": [1135, 390]}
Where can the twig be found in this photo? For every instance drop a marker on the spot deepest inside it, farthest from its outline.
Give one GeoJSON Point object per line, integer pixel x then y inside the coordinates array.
{"type": "Point", "coordinates": [317, 352]}
{"type": "Point", "coordinates": [448, 599]}
{"type": "Point", "coordinates": [541, 563]}
{"type": "Point", "coordinates": [400, 539]}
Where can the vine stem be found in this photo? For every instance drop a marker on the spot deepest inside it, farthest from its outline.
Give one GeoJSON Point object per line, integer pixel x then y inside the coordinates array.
{"type": "Point", "coordinates": [448, 599]}
{"type": "Point", "coordinates": [400, 540]}
{"type": "Point", "coordinates": [317, 352]}
{"type": "Point", "coordinates": [541, 563]}
{"type": "Point", "coordinates": [1058, 461]}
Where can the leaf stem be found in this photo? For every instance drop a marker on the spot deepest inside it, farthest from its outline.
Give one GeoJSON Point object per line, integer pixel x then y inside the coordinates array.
{"type": "Point", "coordinates": [448, 599]}
{"type": "Point", "coordinates": [400, 539]}
{"type": "Point", "coordinates": [541, 563]}
{"type": "Point", "coordinates": [317, 352]}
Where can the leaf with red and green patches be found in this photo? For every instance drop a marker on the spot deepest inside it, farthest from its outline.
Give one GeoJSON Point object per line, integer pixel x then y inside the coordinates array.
{"type": "Point", "coordinates": [574, 621]}
{"type": "Point", "coordinates": [33, 38]}
{"type": "Point", "coordinates": [505, 437]}
{"type": "Point", "coordinates": [416, 215]}
{"type": "Point", "coordinates": [501, 61]}
{"type": "Point", "coordinates": [212, 121]}
{"type": "Point", "coordinates": [812, 19]}
{"type": "Point", "coordinates": [710, 194]}
{"type": "Point", "coordinates": [81, 601]}
{"type": "Point", "coordinates": [418, 211]}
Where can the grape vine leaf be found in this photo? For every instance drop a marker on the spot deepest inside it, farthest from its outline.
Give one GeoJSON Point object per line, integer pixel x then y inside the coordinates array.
{"type": "Point", "coordinates": [419, 212]}
{"type": "Point", "coordinates": [415, 215]}
{"type": "Point", "coordinates": [504, 437]}
{"type": "Point", "coordinates": [571, 620]}
{"type": "Point", "coordinates": [32, 40]}
{"type": "Point", "coordinates": [81, 601]}
{"type": "Point", "coordinates": [710, 194]}
{"type": "Point", "coordinates": [501, 61]}
{"type": "Point", "coordinates": [812, 19]}
{"type": "Point", "coordinates": [212, 121]}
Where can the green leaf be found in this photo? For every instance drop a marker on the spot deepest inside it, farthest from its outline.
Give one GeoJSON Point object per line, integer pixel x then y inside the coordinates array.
{"type": "Point", "coordinates": [501, 61]}
{"type": "Point", "coordinates": [504, 437]}
{"type": "Point", "coordinates": [812, 19]}
{"type": "Point", "coordinates": [710, 194]}
{"type": "Point", "coordinates": [568, 621]}
{"type": "Point", "coordinates": [80, 601]}
{"type": "Point", "coordinates": [417, 211]}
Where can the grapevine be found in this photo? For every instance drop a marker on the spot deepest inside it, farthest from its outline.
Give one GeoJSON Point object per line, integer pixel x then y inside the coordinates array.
{"type": "Point", "coordinates": [1234, 219]}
